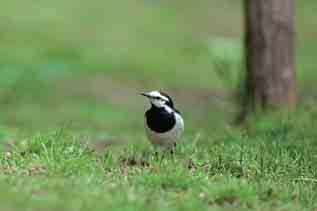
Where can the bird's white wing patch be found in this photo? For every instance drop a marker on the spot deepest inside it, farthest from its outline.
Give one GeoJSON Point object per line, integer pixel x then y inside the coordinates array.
{"type": "Point", "coordinates": [179, 122]}
{"type": "Point", "coordinates": [168, 109]}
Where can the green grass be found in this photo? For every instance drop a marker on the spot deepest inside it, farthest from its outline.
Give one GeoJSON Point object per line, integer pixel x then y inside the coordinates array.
{"type": "Point", "coordinates": [270, 166]}
{"type": "Point", "coordinates": [71, 118]}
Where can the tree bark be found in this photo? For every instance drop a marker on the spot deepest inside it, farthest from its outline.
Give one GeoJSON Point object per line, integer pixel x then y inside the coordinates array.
{"type": "Point", "coordinates": [269, 47]}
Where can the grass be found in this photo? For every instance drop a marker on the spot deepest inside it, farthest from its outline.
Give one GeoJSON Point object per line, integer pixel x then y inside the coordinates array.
{"type": "Point", "coordinates": [71, 126]}
{"type": "Point", "coordinates": [269, 167]}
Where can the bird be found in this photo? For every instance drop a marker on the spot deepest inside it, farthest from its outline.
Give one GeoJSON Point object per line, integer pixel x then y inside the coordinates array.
{"type": "Point", "coordinates": [163, 123]}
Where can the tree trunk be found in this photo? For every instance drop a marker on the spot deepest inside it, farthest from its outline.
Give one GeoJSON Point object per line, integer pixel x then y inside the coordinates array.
{"type": "Point", "coordinates": [269, 42]}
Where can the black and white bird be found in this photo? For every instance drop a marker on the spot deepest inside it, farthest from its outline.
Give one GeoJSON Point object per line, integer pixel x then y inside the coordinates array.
{"type": "Point", "coordinates": [164, 124]}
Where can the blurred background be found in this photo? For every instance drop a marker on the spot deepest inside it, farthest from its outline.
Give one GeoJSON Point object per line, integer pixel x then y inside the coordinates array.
{"type": "Point", "coordinates": [82, 64]}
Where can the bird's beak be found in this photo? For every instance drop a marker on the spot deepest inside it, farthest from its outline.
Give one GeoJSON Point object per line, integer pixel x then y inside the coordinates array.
{"type": "Point", "coordinates": [145, 94]}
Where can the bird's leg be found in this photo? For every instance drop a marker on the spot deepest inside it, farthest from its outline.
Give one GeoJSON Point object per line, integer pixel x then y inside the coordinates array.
{"type": "Point", "coordinates": [172, 150]}
{"type": "Point", "coordinates": [168, 152]}
{"type": "Point", "coordinates": [164, 155]}
{"type": "Point", "coordinates": [156, 154]}
{"type": "Point", "coordinates": [159, 157]}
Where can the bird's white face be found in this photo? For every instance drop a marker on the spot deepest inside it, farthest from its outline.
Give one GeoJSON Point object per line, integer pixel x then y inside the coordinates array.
{"type": "Point", "coordinates": [156, 98]}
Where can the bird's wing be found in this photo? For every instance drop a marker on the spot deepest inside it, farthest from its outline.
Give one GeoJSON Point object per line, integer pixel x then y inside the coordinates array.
{"type": "Point", "coordinates": [180, 121]}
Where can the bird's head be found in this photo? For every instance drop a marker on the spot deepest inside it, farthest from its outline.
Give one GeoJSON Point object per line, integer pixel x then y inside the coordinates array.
{"type": "Point", "coordinates": [159, 99]}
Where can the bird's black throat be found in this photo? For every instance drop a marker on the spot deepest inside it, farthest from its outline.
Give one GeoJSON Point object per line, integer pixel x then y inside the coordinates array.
{"type": "Point", "coordinates": [159, 120]}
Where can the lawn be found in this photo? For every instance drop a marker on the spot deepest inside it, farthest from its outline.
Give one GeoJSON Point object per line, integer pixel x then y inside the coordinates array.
{"type": "Point", "coordinates": [71, 126]}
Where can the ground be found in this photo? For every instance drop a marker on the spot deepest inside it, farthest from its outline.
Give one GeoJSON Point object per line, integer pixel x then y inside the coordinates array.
{"type": "Point", "coordinates": [71, 128]}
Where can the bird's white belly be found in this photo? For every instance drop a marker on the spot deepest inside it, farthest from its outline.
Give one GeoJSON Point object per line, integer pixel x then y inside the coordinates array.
{"type": "Point", "coordinates": [167, 138]}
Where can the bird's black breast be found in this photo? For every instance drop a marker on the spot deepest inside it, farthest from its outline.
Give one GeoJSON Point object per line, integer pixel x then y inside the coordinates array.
{"type": "Point", "coordinates": [159, 120]}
